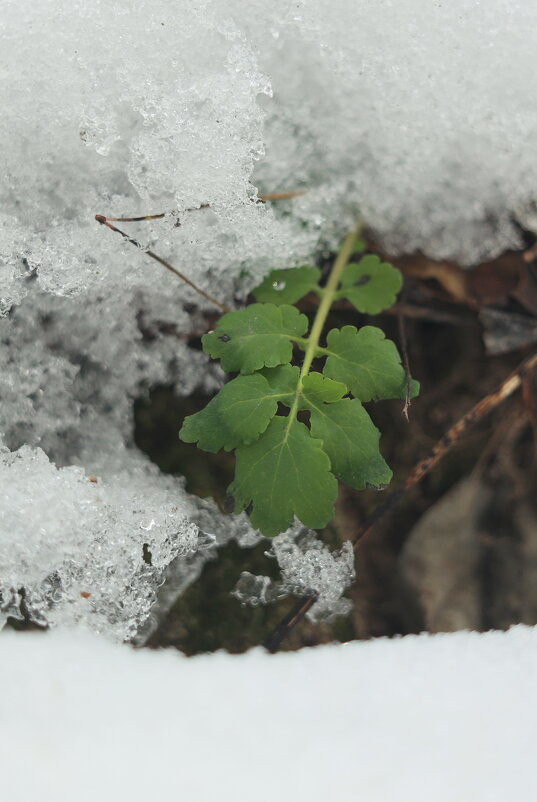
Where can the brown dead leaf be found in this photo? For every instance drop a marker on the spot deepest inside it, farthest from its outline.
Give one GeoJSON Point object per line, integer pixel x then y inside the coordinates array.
{"type": "Point", "coordinates": [440, 559]}
{"type": "Point", "coordinates": [492, 283]}
{"type": "Point", "coordinates": [451, 278]}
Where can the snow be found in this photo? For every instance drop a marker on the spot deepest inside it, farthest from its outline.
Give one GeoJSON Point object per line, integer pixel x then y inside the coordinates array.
{"type": "Point", "coordinates": [77, 545]}
{"type": "Point", "coordinates": [420, 116]}
{"type": "Point", "coordinates": [444, 717]}
{"type": "Point", "coordinates": [74, 548]}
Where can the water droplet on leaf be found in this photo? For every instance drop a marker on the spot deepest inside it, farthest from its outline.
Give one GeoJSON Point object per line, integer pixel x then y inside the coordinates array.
{"type": "Point", "coordinates": [225, 338]}
{"type": "Point", "coordinates": [278, 285]}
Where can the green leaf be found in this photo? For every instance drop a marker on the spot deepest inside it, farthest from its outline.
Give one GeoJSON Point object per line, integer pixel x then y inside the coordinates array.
{"type": "Point", "coordinates": [367, 363]}
{"type": "Point", "coordinates": [282, 380]}
{"type": "Point", "coordinates": [287, 286]}
{"type": "Point", "coordinates": [255, 337]}
{"type": "Point", "coordinates": [370, 285]}
{"type": "Point", "coordinates": [350, 439]}
{"type": "Point", "coordinates": [318, 389]}
{"type": "Point", "coordinates": [284, 473]}
{"type": "Point", "coordinates": [239, 413]}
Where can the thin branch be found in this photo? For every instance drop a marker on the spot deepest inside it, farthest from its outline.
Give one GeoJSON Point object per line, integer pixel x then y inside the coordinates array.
{"type": "Point", "coordinates": [105, 221]}
{"type": "Point", "coordinates": [404, 350]}
{"type": "Point", "coordinates": [151, 216]}
{"type": "Point", "coordinates": [275, 196]}
{"type": "Point", "coordinates": [269, 196]}
{"type": "Point", "coordinates": [509, 386]}
{"type": "Point", "coordinates": [132, 219]}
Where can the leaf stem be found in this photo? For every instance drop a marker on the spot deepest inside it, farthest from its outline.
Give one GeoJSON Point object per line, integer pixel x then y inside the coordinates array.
{"type": "Point", "coordinates": [312, 347]}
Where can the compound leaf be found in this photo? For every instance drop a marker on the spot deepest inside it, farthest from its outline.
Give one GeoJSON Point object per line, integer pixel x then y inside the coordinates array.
{"type": "Point", "coordinates": [284, 473]}
{"type": "Point", "coordinates": [367, 363]}
{"type": "Point", "coordinates": [287, 286]}
{"type": "Point", "coordinates": [239, 413]}
{"type": "Point", "coordinates": [255, 337]}
{"type": "Point", "coordinates": [370, 285]}
{"type": "Point", "coordinates": [350, 439]}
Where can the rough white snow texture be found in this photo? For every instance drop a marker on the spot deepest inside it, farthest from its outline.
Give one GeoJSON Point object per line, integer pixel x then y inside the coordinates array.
{"type": "Point", "coordinates": [444, 718]}
{"type": "Point", "coordinates": [78, 548]}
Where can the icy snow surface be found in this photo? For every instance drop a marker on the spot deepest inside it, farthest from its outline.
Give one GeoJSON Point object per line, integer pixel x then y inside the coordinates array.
{"type": "Point", "coordinates": [77, 546]}
{"type": "Point", "coordinates": [444, 718]}
{"type": "Point", "coordinates": [420, 115]}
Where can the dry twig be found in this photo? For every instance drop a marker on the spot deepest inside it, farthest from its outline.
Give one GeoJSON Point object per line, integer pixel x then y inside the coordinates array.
{"type": "Point", "coordinates": [105, 221]}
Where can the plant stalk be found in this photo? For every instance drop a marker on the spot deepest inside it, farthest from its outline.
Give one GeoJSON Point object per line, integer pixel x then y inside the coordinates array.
{"type": "Point", "coordinates": [341, 261]}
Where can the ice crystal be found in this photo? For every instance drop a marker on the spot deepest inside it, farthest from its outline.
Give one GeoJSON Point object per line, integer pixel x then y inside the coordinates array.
{"type": "Point", "coordinates": [307, 568]}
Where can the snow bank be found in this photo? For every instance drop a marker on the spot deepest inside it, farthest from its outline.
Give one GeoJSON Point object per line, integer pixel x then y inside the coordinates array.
{"type": "Point", "coordinates": [420, 114]}
{"type": "Point", "coordinates": [443, 718]}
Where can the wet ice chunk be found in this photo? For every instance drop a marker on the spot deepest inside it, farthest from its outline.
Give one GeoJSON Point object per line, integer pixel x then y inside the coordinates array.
{"type": "Point", "coordinates": [307, 567]}
{"type": "Point", "coordinates": [77, 550]}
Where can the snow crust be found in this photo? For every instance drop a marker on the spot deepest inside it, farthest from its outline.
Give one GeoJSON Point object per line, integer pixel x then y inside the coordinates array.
{"type": "Point", "coordinates": [444, 717]}
{"type": "Point", "coordinates": [419, 115]}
